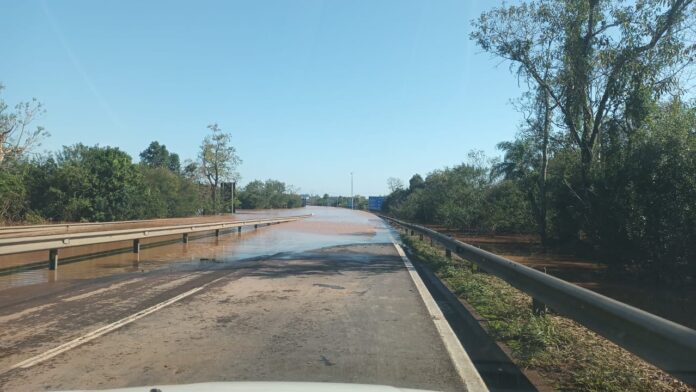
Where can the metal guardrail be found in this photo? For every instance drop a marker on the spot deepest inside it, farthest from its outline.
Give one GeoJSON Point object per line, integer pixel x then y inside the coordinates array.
{"type": "Point", "coordinates": [65, 226]}
{"type": "Point", "coordinates": [56, 241]}
{"type": "Point", "coordinates": [665, 344]}
{"type": "Point", "coordinates": [68, 226]}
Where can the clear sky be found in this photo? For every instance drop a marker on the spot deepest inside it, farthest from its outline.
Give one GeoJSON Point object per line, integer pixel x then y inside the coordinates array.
{"type": "Point", "coordinates": [309, 90]}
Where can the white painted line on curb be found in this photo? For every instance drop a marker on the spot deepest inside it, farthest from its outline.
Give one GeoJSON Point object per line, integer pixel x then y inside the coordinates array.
{"type": "Point", "coordinates": [106, 329]}
{"type": "Point", "coordinates": [462, 363]}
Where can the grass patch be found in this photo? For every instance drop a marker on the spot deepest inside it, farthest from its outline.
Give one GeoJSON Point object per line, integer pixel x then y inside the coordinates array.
{"type": "Point", "coordinates": [569, 356]}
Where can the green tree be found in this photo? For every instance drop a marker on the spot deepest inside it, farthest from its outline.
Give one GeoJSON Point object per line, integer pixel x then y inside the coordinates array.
{"type": "Point", "coordinates": [601, 56]}
{"type": "Point", "coordinates": [218, 160]}
{"type": "Point", "coordinates": [269, 194]}
{"type": "Point", "coordinates": [526, 159]}
{"type": "Point", "coordinates": [13, 192]}
{"type": "Point", "coordinates": [93, 184]}
{"type": "Point", "coordinates": [157, 155]}
{"type": "Point", "coordinates": [646, 192]}
{"type": "Point", "coordinates": [169, 194]}
{"type": "Point", "coordinates": [415, 182]}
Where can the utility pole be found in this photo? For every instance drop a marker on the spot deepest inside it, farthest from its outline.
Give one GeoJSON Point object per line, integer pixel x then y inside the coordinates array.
{"type": "Point", "coordinates": [351, 191]}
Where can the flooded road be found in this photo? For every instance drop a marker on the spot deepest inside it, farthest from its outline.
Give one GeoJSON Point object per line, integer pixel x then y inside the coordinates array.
{"type": "Point", "coordinates": [204, 249]}
{"type": "Point", "coordinates": [324, 299]}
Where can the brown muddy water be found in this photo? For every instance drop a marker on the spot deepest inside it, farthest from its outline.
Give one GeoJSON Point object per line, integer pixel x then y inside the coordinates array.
{"type": "Point", "coordinates": [673, 303]}
{"type": "Point", "coordinates": [327, 227]}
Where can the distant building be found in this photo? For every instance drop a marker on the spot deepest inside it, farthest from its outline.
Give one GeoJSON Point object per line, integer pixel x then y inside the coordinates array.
{"type": "Point", "coordinates": [374, 203]}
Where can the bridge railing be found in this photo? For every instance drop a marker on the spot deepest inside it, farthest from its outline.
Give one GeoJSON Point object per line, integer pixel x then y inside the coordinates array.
{"type": "Point", "coordinates": [665, 344]}
{"type": "Point", "coordinates": [53, 242]}
{"type": "Point", "coordinates": [65, 226]}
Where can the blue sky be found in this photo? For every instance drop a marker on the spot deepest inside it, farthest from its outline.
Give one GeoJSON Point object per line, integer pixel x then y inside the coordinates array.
{"type": "Point", "coordinates": [309, 90]}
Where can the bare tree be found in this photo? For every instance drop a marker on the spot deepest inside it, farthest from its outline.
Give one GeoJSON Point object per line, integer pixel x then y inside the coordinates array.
{"type": "Point", "coordinates": [219, 160]}
{"type": "Point", "coordinates": [394, 184]}
{"type": "Point", "coordinates": [17, 137]}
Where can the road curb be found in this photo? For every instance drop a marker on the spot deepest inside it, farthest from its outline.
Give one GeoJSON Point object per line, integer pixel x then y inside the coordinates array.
{"type": "Point", "coordinates": [460, 359]}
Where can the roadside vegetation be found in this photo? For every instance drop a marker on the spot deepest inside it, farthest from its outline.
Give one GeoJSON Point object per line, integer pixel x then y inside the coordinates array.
{"type": "Point", "coordinates": [604, 162]}
{"type": "Point", "coordinates": [567, 355]}
{"type": "Point", "coordinates": [359, 202]}
{"type": "Point", "coordinates": [95, 183]}
{"type": "Point", "coordinates": [269, 194]}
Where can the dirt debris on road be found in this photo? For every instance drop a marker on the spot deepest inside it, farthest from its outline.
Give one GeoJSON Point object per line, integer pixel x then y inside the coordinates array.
{"type": "Point", "coordinates": [343, 313]}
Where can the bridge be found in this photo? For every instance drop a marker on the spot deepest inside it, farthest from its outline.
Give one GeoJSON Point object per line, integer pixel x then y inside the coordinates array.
{"type": "Point", "coordinates": [328, 296]}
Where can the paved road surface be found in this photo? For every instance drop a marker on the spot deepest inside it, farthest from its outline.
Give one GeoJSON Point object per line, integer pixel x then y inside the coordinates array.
{"type": "Point", "coordinates": [337, 306]}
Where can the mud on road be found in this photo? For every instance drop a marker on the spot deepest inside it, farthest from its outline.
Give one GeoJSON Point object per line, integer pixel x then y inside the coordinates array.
{"type": "Point", "coordinates": [342, 313]}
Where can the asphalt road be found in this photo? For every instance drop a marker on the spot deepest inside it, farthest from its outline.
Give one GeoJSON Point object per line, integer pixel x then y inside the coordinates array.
{"type": "Point", "coordinates": [324, 299]}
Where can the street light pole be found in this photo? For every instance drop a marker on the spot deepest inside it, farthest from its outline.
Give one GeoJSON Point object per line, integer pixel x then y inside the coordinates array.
{"type": "Point", "coordinates": [351, 191]}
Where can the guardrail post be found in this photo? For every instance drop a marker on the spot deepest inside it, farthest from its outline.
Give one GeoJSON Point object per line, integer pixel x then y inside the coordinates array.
{"type": "Point", "coordinates": [256, 226]}
{"type": "Point", "coordinates": [185, 238]}
{"type": "Point", "coordinates": [420, 237]}
{"type": "Point", "coordinates": [136, 246]}
{"type": "Point", "coordinates": [412, 232]}
{"type": "Point", "coordinates": [539, 308]}
{"type": "Point", "coordinates": [448, 253]}
{"type": "Point", "coordinates": [431, 241]}
{"type": "Point", "coordinates": [53, 259]}
{"type": "Point", "coordinates": [217, 232]}
{"type": "Point", "coordinates": [239, 229]}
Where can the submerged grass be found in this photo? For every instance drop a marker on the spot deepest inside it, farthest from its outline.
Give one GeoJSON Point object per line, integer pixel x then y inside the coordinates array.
{"type": "Point", "coordinates": [569, 356]}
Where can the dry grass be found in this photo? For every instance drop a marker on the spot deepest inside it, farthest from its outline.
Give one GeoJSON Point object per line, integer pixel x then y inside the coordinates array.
{"type": "Point", "coordinates": [569, 356]}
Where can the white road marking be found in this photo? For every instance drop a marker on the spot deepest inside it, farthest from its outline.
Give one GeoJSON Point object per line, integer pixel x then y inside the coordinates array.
{"type": "Point", "coordinates": [462, 363]}
{"type": "Point", "coordinates": [106, 329]}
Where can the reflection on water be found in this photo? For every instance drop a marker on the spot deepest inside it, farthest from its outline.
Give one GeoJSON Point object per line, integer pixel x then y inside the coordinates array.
{"type": "Point", "coordinates": [327, 227]}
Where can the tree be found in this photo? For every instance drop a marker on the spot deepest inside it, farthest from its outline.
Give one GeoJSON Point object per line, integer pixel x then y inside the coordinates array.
{"type": "Point", "coordinates": [157, 155]}
{"type": "Point", "coordinates": [269, 194]}
{"type": "Point", "coordinates": [13, 193]}
{"type": "Point", "coordinates": [169, 194]}
{"type": "Point", "coordinates": [415, 182]}
{"type": "Point", "coordinates": [17, 136]}
{"type": "Point", "coordinates": [191, 171]}
{"type": "Point", "coordinates": [601, 56]}
{"type": "Point", "coordinates": [394, 184]}
{"type": "Point", "coordinates": [526, 159]}
{"type": "Point", "coordinates": [91, 183]}
{"type": "Point", "coordinates": [218, 159]}
{"type": "Point", "coordinates": [174, 163]}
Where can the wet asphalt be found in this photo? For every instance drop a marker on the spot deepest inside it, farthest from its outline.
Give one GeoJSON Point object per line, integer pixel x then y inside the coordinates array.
{"type": "Point", "coordinates": [323, 299]}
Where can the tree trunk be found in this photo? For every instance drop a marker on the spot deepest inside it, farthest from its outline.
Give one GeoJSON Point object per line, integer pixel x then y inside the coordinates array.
{"type": "Point", "coordinates": [3, 138]}
{"type": "Point", "coordinates": [585, 165]}
{"type": "Point", "coordinates": [544, 168]}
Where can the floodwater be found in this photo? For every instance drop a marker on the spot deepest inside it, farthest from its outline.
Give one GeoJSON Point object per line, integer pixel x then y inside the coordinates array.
{"type": "Point", "coordinates": [673, 303]}
{"type": "Point", "coordinates": [327, 227]}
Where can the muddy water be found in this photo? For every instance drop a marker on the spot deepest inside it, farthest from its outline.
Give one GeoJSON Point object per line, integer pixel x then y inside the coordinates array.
{"type": "Point", "coordinates": [673, 303]}
{"type": "Point", "coordinates": [327, 227]}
